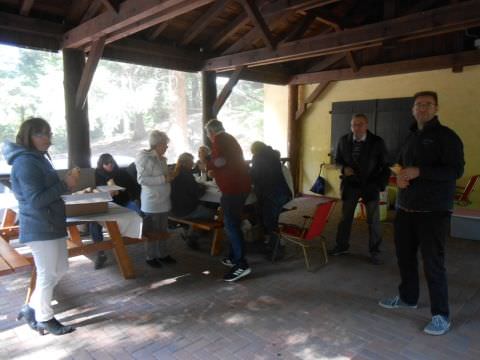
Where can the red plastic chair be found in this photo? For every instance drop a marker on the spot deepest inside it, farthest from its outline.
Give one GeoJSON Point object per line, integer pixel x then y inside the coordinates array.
{"type": "Point", "coordinates": [311, 229]}
{"type": "Point", "coordinates": [462, 194]}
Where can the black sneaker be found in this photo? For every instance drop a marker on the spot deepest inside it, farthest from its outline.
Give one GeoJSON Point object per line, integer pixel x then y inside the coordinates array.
{"type": "Point", "coordinates": [100, 260]}
{"type": "Point", "coordinates": [336, 251]}
{"type": "Point", "coordinates": [167, 260]}
{"type": "Point", "coordinates": [236, 273]}
{"type": "Point", "coordinates": [155, 263]}
{"type": "Point", "coordinates": [227, 262]}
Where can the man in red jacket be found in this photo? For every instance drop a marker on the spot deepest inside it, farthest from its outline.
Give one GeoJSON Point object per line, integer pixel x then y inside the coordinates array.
{"type": "Point", "coordinates": [231, 174]}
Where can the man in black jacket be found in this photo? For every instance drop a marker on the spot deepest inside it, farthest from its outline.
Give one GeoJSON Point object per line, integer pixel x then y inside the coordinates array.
{"type": "Point", "coordinates": [431, 159]}
{"type": "Point", "coordinates": [362, 156]}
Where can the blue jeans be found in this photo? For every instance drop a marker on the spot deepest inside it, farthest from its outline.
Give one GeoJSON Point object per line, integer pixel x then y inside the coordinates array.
{"type": "Point", "coordinates": [232, 206]}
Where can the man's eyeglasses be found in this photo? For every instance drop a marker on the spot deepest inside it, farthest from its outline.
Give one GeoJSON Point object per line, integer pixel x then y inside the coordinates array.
{"type": "Point", "coordinates": [424, 105]}
{"type": "Point", "coordinates": [43, 134]}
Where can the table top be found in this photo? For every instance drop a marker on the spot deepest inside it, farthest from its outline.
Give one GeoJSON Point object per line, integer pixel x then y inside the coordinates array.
{"type": "Point", "coordinates": [213, 194]}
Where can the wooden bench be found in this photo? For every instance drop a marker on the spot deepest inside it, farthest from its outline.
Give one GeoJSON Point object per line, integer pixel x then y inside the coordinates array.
{"type": "Point", "coordinates": [215, 226]}
{"type": "Point", "coordinates": [10, 259]}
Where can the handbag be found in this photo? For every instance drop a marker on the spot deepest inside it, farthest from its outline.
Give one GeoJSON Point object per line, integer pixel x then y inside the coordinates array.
{"type": "Point", "coordinates": [320, 184]}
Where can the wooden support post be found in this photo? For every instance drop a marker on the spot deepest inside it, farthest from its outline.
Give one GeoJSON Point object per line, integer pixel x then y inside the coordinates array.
{"type": "Point", "coordinates": [77, 118]}
{"type": "Point", "coordinates": [209, 94]}
{"type": "Point", "coordinates": [293, 136]}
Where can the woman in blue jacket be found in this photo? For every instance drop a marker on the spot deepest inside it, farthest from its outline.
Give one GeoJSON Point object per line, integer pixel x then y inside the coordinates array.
{"type": "Point", "coordinates": [37, 188]}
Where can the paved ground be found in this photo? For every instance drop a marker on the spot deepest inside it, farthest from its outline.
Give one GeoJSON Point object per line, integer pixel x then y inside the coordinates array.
{"type": "Point", "coordinates": [281, 311]}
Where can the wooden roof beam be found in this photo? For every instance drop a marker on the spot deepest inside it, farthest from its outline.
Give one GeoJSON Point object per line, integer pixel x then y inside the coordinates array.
{"type": "Point", "coordinates": [203, 21]}
{"type": "Point", "coordinates": [109, 6]}
{"type": "Point", "coordinates": [319, 89]}
{"type": "Point", "coordinates": [260, 24]}
{"type": "Point", "coordinates": [87, 74]}
{"type": "Point", "coordinates": [453, 61]}
{"type": "Point", "coordinates": [92, 10]}
{"type": "Point", "coordinates": [26, 7]}
{"type": "Point", "coordinates": [441, 20]}
{"type": "Point", "coordinates": [337, 28]}
{"type": "Point", "coordinates": [157, 30]}
{"type": "Point", "coordinates": [300, 28]}
{"type": "Point", "coordinates": [76, 11]}
{"type": "Point", "coordinates": [267, 10]}
{"type": "Point", "coordinates": [133, 16]}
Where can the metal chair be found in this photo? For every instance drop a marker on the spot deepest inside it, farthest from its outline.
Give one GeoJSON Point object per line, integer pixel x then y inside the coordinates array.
{"type": "Point", "coordinates": [311, 229]}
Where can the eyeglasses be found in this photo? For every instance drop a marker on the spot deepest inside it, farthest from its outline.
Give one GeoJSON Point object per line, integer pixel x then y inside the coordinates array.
{"type": "Point", "coordinates": [424, 105]}
{"type": "Point", "coordinates": [43, 134]}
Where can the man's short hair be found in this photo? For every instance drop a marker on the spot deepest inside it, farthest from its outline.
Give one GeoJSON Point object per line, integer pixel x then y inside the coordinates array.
{"type": "Point", "coordinates": [360, 115]}
{"type": "Point", "coordinates": [214, 126]}
{"type": "Point", "coordinates": [432, 94]}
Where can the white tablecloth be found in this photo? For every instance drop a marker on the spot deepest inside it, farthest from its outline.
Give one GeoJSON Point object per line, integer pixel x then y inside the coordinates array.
{"type": "Point", "coordinates": [213, 194]}
{"type": "Point", "coordinates": [129, 222]}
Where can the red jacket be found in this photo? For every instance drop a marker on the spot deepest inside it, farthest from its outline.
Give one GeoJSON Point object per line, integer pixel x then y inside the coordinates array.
{"type": "Point", "coordinates": [228, 165]}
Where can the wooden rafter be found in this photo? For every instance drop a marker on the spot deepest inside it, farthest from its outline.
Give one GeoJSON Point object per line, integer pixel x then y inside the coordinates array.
{"type": "Point", "coordinates": [133, 16]}
{"type": "Point", "coordinates": [227, 90]}
{"type": "Point", "coordinates": [260, 24]}
{"type": "Point", "coordinates": [26, 7]}
{"type": "Point", "coordinates": [92, 10]}
{"type": "Point", "coordinates": [76, 11]}
{"type": "Point", "coordinates": [441, 20]}
{"type": "Point", "coordinates": [465, 58]}
{"type": "Point", "coordinates": [337, 28]}
{"type": "Point", "coordinates": [87, 74]}
{"type": "Point", "coordinates": [268, 10]}
{"type": "Point", "coordinates": [155, 33]}
{"type": "Point", "coordinates": [300, 28]}
{"type": "Point", "coordinates": [109, 6]}
{"type": "Point", "coordinates": [203, 21]}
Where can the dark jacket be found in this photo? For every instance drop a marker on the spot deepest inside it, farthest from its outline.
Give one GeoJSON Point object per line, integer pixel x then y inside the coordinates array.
{"type": "Point", "coordinates": [185, 193]}
{"type": "Point", "coordinates": [121, 178]}
{"type": "Point", "coordinates": [267, 175]}
{"type": "Point", "coordinates": [37, 188]}
{"type": "Point", "coordinates": [371, 171]}
{"type": "Point", "coordinates": [438, 152]}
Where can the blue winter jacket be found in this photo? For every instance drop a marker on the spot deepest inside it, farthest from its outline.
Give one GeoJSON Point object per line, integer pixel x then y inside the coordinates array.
{"type": "Point", "coordinates": [37, 188]}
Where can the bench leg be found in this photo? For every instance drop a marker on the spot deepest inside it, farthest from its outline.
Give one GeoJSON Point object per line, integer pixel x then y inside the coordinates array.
{"type": "Point", "coordinates": [123, 259]}
{"type": "Point", "coordinates": [31, 287]}
{"type": "Point", "coordinates": [216, 242]}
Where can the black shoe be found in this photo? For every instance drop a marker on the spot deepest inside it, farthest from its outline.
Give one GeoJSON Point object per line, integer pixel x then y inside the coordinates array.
{"type": "Point", "coordinates": [155, 263]}
{"type": "Point", "coordinates": [53, 326]}
{"type": "Point", "coordinates": [100, 260]}
{"type": "Point", "coordinates": [236, 273]}
{"type": "Point", "coordinates": [167, 260]}
{"type": "Point", "coordinates": [336, 251]}
{"type": "Point", "coordinates": [28, 314]}
{"type": "Point", "coordinates": [227, 262]}
{"type": "Point", "coordinates": [375, 259]}
{"type": "Point", "coordinates": [192, 242]}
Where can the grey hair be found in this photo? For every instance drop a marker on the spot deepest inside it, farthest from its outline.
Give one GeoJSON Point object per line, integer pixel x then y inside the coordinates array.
{"type": "Point", "coordinates": [214, 126]}
{"type": "Point", "coordinates": [157, 137]}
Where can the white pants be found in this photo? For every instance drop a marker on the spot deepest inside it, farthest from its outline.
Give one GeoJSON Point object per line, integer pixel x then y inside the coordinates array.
{"type": "Point", "coordinates": [51, 262]}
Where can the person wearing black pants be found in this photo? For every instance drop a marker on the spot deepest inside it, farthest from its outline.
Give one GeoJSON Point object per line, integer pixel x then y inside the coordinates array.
{"type": "Point", "coordinates": [431, 160]}
{"type": "Point", "coordinates": [365, 172]}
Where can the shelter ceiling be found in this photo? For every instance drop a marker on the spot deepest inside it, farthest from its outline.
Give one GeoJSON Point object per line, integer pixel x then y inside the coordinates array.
{"type": "Point", "coordinates": [278, 41]}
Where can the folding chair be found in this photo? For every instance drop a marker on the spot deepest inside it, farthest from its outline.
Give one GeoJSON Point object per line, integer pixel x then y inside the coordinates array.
{"type": "Point", "coordinates": [462, 193]}
{"type": "Point", "coordinates": [311, 229]}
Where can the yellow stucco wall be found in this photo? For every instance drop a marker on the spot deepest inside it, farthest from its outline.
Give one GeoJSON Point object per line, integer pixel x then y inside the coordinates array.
{"type": "Point", "coordinates": [276, 117]}
{"type": "Point", "coordinates": [459, 99]}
